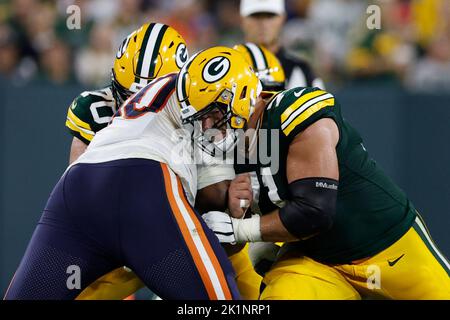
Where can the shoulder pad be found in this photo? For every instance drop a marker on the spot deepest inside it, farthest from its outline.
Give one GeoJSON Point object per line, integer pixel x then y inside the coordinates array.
{"type": "Point", "coordinates": [298, 105]}
{"type": "Point", "coordinates": [90, 112]}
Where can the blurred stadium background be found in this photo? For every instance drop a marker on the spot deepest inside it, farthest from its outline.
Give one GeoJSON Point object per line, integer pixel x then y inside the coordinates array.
{"type": "Point", "coordinates": [393, 83]}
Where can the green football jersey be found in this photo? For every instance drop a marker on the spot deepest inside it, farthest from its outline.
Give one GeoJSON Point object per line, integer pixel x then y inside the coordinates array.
{"type": "Point", "coordinates": [371, 212]}
{"type": "Point", "coordinates": [90, 112]}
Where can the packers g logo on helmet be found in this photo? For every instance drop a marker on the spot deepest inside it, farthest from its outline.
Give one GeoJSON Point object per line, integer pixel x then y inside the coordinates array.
{"type": "Point", "coordinates": [216, 69]}
{"type": "Point", "coordinates": [181, 55]}
{"type": "Point", "coordinates": [266, 65]}
{"type": "Point", "coordinates": [154, 50]}
{"type": "Point", "coordinates": [218, 76]}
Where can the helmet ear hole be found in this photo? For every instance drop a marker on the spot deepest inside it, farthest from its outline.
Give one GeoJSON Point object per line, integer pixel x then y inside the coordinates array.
{"type": "Point", "coordinates": [243, 93]}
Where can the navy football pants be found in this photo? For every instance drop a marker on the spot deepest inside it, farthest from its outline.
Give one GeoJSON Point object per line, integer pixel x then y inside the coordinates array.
{"type": "Point", "coordinates": [130, 212]}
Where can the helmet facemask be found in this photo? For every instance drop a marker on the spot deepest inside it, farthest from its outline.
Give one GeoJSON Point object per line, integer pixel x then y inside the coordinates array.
{"type": "Point", "coordinates": [218, 139]}
{"type": "Point", "coordinates": [120, 93]}
{"type": "Point", "coordinates": [225, 127]}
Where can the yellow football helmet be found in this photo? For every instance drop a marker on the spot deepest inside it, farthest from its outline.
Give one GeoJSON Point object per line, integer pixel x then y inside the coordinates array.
{"type": "Point", "coordinates": [266, 65]}
{"type": "Point", "coordinates": [154, 50]}
{"type": "Point", "coordinates": [218, 79]}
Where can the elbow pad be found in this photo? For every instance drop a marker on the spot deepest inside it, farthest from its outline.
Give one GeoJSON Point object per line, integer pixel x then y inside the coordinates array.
{"type": "Point", "coordinates": [311, 208]}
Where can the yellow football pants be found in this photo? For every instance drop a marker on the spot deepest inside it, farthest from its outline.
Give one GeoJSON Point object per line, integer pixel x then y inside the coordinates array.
{"type": "Point", "coordinates": [115, 285]}
{"type": "Point", "coordinates": [248, 281]}
{"type": "Point", "coordinates": [411, 268]}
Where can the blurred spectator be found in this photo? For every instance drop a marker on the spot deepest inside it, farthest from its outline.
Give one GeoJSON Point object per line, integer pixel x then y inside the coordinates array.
{"type": "Point", "coordinates": [229, 30]}
{"type": "Point", "coordinates": [56, 65]}
{"type": "Point", "coordinates": [16, 69]}
{"type": "Point", "coordinates": [197, 26]}
{"type": "Point", "coordinates": [429, 17]}
{"type": "Point", "coordinates": [75, 38]}
{"type": "Point", "coordinates": [432, 72]}
{"type": "Point", "coordinates": [332, 34]}
{"type": "Point", "coordinates": [328, 25]}
{"type": "Point", "coordinates": [129, 18]}
{"type": "Point", "coordinates": [9, 52]}
{"type": "Point", "coordinates": [384, 54]}
{"type": "Point", "coordinates": [103, 11]}
{"type": "Point", "coordinates": [21, 13]}
{"type": "Point", "coordinates": [298, 34]}
{"type": "Point", "coordinates": [93, 64]}
{"type": "Point", "coordinates": [40, 27]}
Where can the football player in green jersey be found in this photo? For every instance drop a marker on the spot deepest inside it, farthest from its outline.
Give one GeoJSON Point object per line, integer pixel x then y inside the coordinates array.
{"type": "Point", "coordinates": [151, 51]}
{"type": "Point", "coordinates": [349, 229]}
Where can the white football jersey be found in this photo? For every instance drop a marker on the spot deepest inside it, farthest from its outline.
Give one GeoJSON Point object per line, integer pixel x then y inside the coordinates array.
{"type": "Point", "coordinates": [148, 126]}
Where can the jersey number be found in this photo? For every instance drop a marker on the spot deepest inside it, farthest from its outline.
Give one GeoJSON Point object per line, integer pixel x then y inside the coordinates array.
{"type": "Point", "coordinates": [102, 106]}
{"type": "Point", "coordinates": [269, 182]}
{"type": "Point", "coordinates": [151, 98]}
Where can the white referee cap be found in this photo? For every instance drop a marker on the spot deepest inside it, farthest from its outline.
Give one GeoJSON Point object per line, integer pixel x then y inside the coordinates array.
{"type": "Point", "coordinates": [249, 7]}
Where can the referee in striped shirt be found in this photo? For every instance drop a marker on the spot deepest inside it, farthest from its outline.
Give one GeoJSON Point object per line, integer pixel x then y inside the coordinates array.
{"type": "Point", "coordinates": [262, 22]}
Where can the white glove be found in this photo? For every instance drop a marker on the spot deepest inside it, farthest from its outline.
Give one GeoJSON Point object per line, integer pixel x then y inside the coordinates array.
{"type": "Point", "coordinates": [231, 230]}
{"type": "Point", "coordinates": [220, 223]}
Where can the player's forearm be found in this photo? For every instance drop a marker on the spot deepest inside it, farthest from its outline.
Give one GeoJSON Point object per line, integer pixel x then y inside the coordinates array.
{"type": "Point", "coordinates": [77, 148]}
{"type": "Point", "coordinates": [268, 228]}
{"type": "Point", "coordinates": [310, 211]}
{"type": "Point", "coordinates": [212, 197]}
{"type": "Point", "coordinates": [273, 230]}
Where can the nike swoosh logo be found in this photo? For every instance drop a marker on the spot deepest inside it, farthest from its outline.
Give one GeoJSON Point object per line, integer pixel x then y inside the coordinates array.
{"type": "Point", "coordinates": [392, 263]}
{"type": "Point", "coordinates": [298, 94]}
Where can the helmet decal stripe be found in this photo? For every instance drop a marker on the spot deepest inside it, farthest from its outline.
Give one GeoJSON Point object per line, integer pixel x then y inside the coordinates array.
{"type": "Point", "coordinates": [142, 51]}
{"type": "Point", "coordinates": [258, 56]}
{"type": "Point", "coordinates": [251, 57]}
{"type": "Point", "coordinates": [147, 55]}
{"type": "Point", "coordinates": [156, 49]}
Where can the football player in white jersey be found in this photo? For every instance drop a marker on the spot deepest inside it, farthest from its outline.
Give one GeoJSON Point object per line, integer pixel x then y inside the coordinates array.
{"type": "Point", "coordinates": [128, 200]}
{"type": "Point", "coordinates": [152, 51]}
